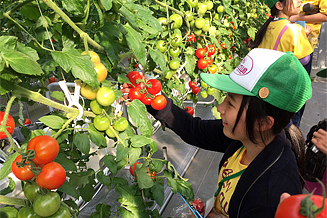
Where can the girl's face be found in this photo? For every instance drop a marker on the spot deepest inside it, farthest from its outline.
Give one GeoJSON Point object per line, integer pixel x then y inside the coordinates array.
{"type": "Point", "coordinates": [292, 8]}
{"type": "Point", "coordinates": [229, 110]}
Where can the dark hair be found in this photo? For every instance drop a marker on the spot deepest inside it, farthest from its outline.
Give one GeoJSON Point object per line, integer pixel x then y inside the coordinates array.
{"type": "Point", "coordinates": [262, 31]}
{"type": "Point", "coordinates": [259, 109]}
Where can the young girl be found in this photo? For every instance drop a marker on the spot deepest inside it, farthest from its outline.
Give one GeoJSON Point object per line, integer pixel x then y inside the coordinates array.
{"type": "Point", "coordinates": [279, 34]}
{"type": "Point", "coordinates": [261, 150]}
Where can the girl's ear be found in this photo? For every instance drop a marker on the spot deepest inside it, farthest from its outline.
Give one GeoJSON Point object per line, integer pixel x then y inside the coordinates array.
{"type": "Point", "coordinates": [266, 124]}
{"type": "Point", "coordinates": [279, 6]}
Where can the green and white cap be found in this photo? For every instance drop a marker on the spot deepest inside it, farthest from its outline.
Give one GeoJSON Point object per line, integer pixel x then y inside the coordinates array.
{"type": "Point", "coordinates": [273, 76]}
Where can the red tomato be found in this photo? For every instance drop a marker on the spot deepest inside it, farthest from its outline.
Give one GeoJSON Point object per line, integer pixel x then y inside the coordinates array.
{"type": "Point", "coordinates": [146, 100]}
{"type": "Point", "coordinates": [131, 169]}
{"type": "Point", "coordinates": [195, 90]}
{"type": "Point", "coordinates": [211, 49]}
{"type": "Point", "coordinates": [159, 102]}
{"type": "Point", "coordinates": [155, 86]}
{"type": "Point", "coordinates": [189, 110]}
{"type": "Point", "coordinates": [27, 121]}
{"type": "Point", "coordinates": [52, 176]}
{"type": "Point", "coordinates": [191, 84]}
{"type": "Point", "coordinates": [223, 45]}
{"type": "Point", "coordinates": [52, 80]}
{"type": "Point", "coordinates": [10, 125]}
{"type": "Point", "coordinates": [230, 56]}
{"type": "Point", "coordinates": [135, 93]}
{"type": "Point", "coordinates": [132, 76]}
{"type": "Point", "coordinates": [210, 60]}
{"type": "Point", "coordinates": [202, 63]}
{"type": "Point", "coordinates": [199, 205]}
{"type": "Point", "coordinates": [200, 52]}
{"type": "Point", "coordinates": [22, 173]}
{"type": "Point", "coordinates": [46, 149]}
{"type": "Point", "coordinates": [290, 207]}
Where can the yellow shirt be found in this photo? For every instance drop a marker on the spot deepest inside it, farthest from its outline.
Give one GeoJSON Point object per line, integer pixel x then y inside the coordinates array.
{"type": "Point", "coordinates": [313, 37]}
{"type": "Point", "coordinates": [294, 39]}
{"type": "Point", "coordinates": [231, 166]}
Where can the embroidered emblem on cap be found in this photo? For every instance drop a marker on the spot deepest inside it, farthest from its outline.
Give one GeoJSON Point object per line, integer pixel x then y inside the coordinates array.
{"type": "Point", "coordinates": [263, 92]}
{"type": "Point", "coordinates": [245, 67]}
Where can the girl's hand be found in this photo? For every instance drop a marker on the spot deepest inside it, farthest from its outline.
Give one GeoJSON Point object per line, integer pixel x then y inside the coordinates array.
{"type": "Point", "coordinates": [127, 87]}
{"type": "Point", "coordinates": [283, 197]}
{"type": "Point", "coordinates": [319, 139]}
{"type": "Point", "coordinates": [308, 30]}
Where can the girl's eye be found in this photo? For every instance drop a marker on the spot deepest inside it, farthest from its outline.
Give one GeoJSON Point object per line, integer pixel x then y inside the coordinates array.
{"type": "Point", "coordinates": [230, 104]}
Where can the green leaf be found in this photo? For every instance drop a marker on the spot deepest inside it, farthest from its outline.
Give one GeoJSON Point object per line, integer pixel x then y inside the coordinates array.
{"type": "Point", "coordinates": [117, 181]}
{"type": "Point", "coordinates": [122, 152]}
{"type": "Point", "coordinates": [125, 192]}
{"type": "Point", "coordinates": [10, 188]}
{"type": "Point", "coordinates": [134, 154]}
{"type": "Point", "coordinates": [130, 17]}
{"type": "Point", "coordinates": [110, 162]}
{"type": "Point", "coordinates": [134, 41]}
{"type": "Point", "coordinates": [159, 58]}
{"type": "Point", "coordinates": [28, 51]}
{"type": "Point", "coordinates": [53, 121]}
{"type": "Point", "coordinates": [107, 4]}
{"type": "Point", "coordinates": [158, 193]}
{"type": "Point", "coordinates": [102, 210]}
{"type": "Point", "coordinates": [86, 192]}
{"type": "Point", "coordinates": [6, 168]}
{"type": "Point", "coordinates": [60, 96]}
{"type": "Point", "coordinates": [171, 182]}
{"type": "Point", "coordinates": [143, 179]}
{"type": "Point", "coordinates": [106, 180]}
{"type": "Point", "coordinates": [69, 189]}
{"type": "Point", "coordinates": [96, 137]}
{"type": "Point", "coordinates": [138, 115]}
{"type": "Point", "coordinates": [81, 179]}
{"type": "Point", "coordinates": [138, 141]}
{"type": "Point", "coordinates": [81, 66]}
{"type": "Point", "coordinates": [82, 142]}
{"type": "Point", "coordinates": [125, 213]}
{"type": "Point", "coordinates": [22, 63]}
{"type": "Point", "coordinates": [191, 61]}
{"type": "Point", "coordinates": [251, 32]}
{"type": "Point", "coordinates": [185, 188]}
{"type": "Point", "coordinates": [76, 7]}
{"type": "Point", "coordinates": [66, 163]}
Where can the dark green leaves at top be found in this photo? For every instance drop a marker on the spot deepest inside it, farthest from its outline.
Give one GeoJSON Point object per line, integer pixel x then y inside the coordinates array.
{"type": "Point", "coordinates": [74, 6]}
{"type": "Point", "coordinates": [80, 65]}
{"type": "Point", "coordinates": [159, 58]}
{"type": "Point", "coordinates": [82, 142]}
{"type": "Point", "coordinates": [96, 137]}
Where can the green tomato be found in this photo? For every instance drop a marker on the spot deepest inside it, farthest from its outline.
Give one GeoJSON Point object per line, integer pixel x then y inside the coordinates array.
{"type": "Point", "coordinates": [189, 15]}
{"type": "Point", "coordinates": [101, 123]}
{"type": "Point", "coordinates": [199, 22]}
{"type": "Point", "coordinates": [111, 133]}
{"type": "Point", "coordinates": [195, 98]}
{"type": "Point", "coordinates": [204, 94]}
{"type": "Point", "coordinates": [176, 39]}
{"type": "Point", "coordinates": [189, 96]}
{"type": "Point", "coordinates": [62, 212]}
{"type": "Point", "coordinates": [216, 17]}
{"type": "Point", "coordinates": [174, 52]}
{"type": "Point", "coordinates": [248, 4]}
{"type": "Point", "coordinates": [206, 28]}
{"type": "Point", "coordinates": [163, 22]}
{"type": "Point", "coordinates": [170, 73]}
{"type": "Point", "coordinates": [236, 1]}
{"type": "Point", "coordinates": [8, 212]}
{"type": "Point", "coordinates": [96, 107]}
{"type": "Point", "coordinates": [161, 45]}
{"type": "Point", "coordinates": [109, 16]}
{"type": "Point", "coordinates": [27, 212]}
{"type": "Point", "coordinates": [177, 21]}
{"type": "Point", "coordinates": [174, 64]}
{"type": "Point", "coordinates": [121, 124]}
{"type": "Point", "coordinates": [210, 91]}
{"type": "Point", "coordinates": [31, 191]}
{"type": "Point", "coordinates": [192, 23]}
{"type": "Point", "coordinates": [203, 84]}
{"type": "Point", "coordinates": [192, 3]}
{"type": "Point", "coordinates": [220, 9]}
{"type": "Point", "coordinates": [202, 8]}
{"type": "Point", "coordinates": [209, 5]}
{"type": "Point", "coordinates": [46, 205]}
{"type": "Point", "coordinates": [197, 32]}
{"type": "Point", "coordinates": [105, 96]}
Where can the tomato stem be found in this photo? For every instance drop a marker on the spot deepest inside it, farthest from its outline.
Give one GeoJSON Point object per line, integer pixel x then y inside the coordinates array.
{"type": "Point", "coordinates": [63, 127]}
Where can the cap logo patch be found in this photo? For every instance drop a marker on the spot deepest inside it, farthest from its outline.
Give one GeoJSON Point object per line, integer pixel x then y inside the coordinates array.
{"type": "Point", "coordinates": [263, 92]}
{"type": "Point", "coordinates": [245, 67]}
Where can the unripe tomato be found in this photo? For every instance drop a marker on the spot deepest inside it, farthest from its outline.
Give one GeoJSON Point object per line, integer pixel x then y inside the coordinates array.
{"type": "Point", "coordinates": [101, 123]}
{"type": "Point", "coordinates": [161, 45]}
{"type": "Point", "coordinates": [101, 71]}
{"type": "Point", "coordinates": [105, 96]}
{"type": "Point", "coordinates": [46, 149]}
{"type": "Point", "coordinates": [211, 91]}
{"type": "Point", "coordinates": [176, 39]}
{"type": "Point", "coordinates": [203, 84]}
{"type": "Point", "coordinates": [62, 212]}
{"type": "Point", "coordinates": [220, 9]}
{"type": "Point", "coordinates": [22, 173]}
{"type": "Point", "coordinates": [10, 125]}
{"type": "Point", "coordinates": [109, 15]}
{"type": "Point", "coordinates": [206, 27]}
{"type": "Point", "coordinates": [27, 212]}
{"type": "Point", "coordinates": [189, 110]}
{"type": "Point", "coordinates": [155, 86]}
{"type": "Point", "coordinates": [209, 5]}
{"type": "Point", "coordinates": [197, 32]}
{"type": "Point", "coordinates": [174, 52]}
{"type": "Point", "coordinates": [131, 169]}
{"type": "Point", "coordinates": [111, 133]}
{"type": "Point", "coordinates": [96, 107]}
{"type": "Point", "coordinates": [31, 190]}
{"type": "Point", "coordinates": [177, 21]}
{"type": "Point", "coordinates": [46, 205]}
{"type": "Point", "coordinates": [94, 56]}
{"type": "Point", "coordinates": [121, 124]}
{"type": "Point", "coordinates": [189, 96]}
{"type": "Point", "coordinates": [202, 8]}
{"type": "Point", "coordinates": [174, 64]}
{"type": "Point", "coordinates": [163, 23]}
{"type": "Point", "coordinates": [159, 102]}
{"type": "Point", "coordinates": [170, 73]}
{"type": "Point", "coordinates": [189, 15]}
{"type": "Point", "coordinates": [195, 90]}
{"type": "Point", "coordinates": [192, 3]}
{"type": "Point", "coordinates": [88, 91]}
{"type": "Point", "coordinates": [199, 22]}
{"type": "Point", "coordinates": [204, 94]}
{"type": "Point", "coordinates": [52, 176]}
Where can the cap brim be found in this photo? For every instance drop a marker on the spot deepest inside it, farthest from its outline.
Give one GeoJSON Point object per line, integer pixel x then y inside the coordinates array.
{"type": "Point", "coordinates": [224, 83]}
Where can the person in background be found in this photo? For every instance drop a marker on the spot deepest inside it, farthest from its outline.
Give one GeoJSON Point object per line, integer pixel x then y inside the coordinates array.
{"type": "Point", "coordinates": [278, 33]}
{"type": "Point", "coordinates": [263, 153]}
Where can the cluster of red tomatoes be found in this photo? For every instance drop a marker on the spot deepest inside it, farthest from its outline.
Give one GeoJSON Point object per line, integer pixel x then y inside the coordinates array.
{"type": "Point", "coordinates": [204, 55]}
{"type": "Point", "coordinates": [147, 92]}
{"type": "Point", "coordinates": [205, 91]}
{"type": "Point", "coordinates": [45, 149]}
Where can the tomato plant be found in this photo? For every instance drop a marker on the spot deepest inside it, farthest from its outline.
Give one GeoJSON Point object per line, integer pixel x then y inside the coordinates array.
{"type": "Point", "coordinates": [159, 102]}
{"type": "Point", "coordinates": [189, 110]}
{"type": "Point", "coordinates": [10, 124]}
{"type": "Point", "coordinates": [45, 147]}
{"type": "Point", "coordinates": [22, 173]}
{"type": "Point", "coordinates": [46, 204]}
{"type": "Point", "coordinates": [52, 176]}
